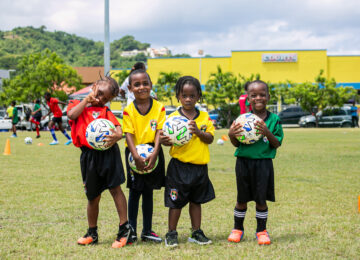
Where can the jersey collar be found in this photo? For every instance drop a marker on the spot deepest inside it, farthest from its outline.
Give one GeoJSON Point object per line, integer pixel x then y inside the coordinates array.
{"type": "Point", "coordinates": [197, 113]}
{"type": "Point", "coordinates": [151, 103]}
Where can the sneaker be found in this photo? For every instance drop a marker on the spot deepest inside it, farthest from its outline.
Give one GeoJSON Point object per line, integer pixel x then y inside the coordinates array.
{"type": "Point", "coordinates": [38, 136]}
{"type": "Point", "coordinates": [150, 236]}
{"type": "Point", "coordinates": [132, 238]}
{"type": "Point", "coordinates": [88, 239]}
{"type": "Point", "coordinates": [171, 239]}
{"type": "Point", "coordinates": [124, 236]}
{"type": "Point", "coordinates": [199, 237]}
{"type": "Point", "coordinates": [54, 142]}
{"type": "Point", "coordinates": [236, 235]}
{"type": "Point", "coordinates": [68, 142]}
{"type": "Point", "coordinates": [13, 135]}
{"type": "Point", "coordinates": [263, 238]}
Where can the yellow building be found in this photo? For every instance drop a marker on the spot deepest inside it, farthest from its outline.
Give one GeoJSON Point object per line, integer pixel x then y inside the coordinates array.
{"type": "Point", "coordinates": [273, 65]}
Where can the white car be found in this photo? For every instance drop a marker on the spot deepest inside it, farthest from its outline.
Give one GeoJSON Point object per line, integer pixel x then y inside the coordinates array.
{"type": "Point", "coordinates": [5, 124]}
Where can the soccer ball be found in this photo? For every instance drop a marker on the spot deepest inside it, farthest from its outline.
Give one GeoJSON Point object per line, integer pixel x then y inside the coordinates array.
{"type": "Point", "coordinates": [96, 133]}
{"type": "Point", "coordinates": [144, 150]}
{"type": "Point", "coordinates": [177, 128]}
{"type": "Point", "coordinates": [28, 140]}
{"type": "Point", "coordinates": [249, 135]}
{"type": "Point", "coordinates": [220, 142]}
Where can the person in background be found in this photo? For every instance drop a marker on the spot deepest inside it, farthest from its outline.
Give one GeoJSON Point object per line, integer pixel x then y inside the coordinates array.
{"type": "Point", "coordinates": [354, 115]}
{"type": "Point", "coordinates": [36, 116]}
{"type": "Point", "coordinates": [244, 104]}
{"type": "Point", "coordinates": [13, 114]}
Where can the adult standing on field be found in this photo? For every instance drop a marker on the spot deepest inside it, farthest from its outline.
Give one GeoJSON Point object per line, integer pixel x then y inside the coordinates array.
{"type": "Point", "coordinates": [14, 117]}
{"type": "Point", "coordinates": [57, 119]}
{"type": "Point", "coordinates": [124, 89]}
{"type": "Point", "coordinates": [354, 115]}
{"type": "Point", "coordinates": [243, 101]}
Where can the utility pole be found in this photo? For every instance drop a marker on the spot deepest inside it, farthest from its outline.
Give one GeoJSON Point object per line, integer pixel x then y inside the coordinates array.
{"type": "Point", "coordinates": [106, 41]}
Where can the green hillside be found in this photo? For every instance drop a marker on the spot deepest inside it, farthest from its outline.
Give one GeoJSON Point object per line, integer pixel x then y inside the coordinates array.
{"type": "Point", "coordinates": [74, 50]}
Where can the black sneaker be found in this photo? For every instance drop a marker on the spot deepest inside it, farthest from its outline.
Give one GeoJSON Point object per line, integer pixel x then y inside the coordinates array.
{"type": "Point", "coordinates": [171, 239]}
{"type": "Point", "coordinates": [123, 237]}
{"type": "Point", "coordinates": [38, 136]}
{"type": "Point", "coordinates": [199, 237]}
{"type": "Point", "coordinates": [132, 238]}
{"type": "Point", "coordinates": [150, 236]}
{"type": "Point", "coordinates": [89, 238]}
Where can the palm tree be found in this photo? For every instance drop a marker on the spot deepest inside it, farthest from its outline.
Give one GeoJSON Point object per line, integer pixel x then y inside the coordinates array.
{"type": "Point", "coordinates": [165, 87]}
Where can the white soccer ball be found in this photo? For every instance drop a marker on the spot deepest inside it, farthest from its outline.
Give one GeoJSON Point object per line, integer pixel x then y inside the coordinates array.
{"type": "Point", "coordinates": [96, 133]}
{"type": "Point", "coordinates": [220, 142]}
{"type": "Point", "coordinates": [28, 140]}
{"type": "Point", "coordinates": [249, 135]}
{"type": "Point", "coordinates": [144, 150]}
{"type": "Point", "coordinates": [177, 128]}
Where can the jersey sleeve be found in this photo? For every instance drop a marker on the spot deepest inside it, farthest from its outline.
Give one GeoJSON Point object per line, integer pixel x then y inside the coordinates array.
{"type": "Point", "coordinates": [278, 130]}
{"type": "Point", "coordinates": [54, 101]}
{"type": "Point", "coordinates": [210, 126]}
{"type": "Point", "coordinates": [72, 104]}
{"type": "Point", "coordinates": [162, 118]}
{"type": "Point", "coordinates": [128, 126]}
{"type": "Point", "coordinates": [110, 116]}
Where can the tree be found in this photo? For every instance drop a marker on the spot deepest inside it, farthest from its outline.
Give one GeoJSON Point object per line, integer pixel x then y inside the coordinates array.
{"type": "Point", "coordinates": [36, 74]}
{"type": "Point", "coordinates": [324, 93]}
{"type": "Point", "coordinates": [165, 87]}
{"type": "Point", "coordinates": [121, 76]}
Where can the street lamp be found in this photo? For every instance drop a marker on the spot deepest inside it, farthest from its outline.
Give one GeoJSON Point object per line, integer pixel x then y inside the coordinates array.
{"type": "Point", "coordinates": [200, 53]}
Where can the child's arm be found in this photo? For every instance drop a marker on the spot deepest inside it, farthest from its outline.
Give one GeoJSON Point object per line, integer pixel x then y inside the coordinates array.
{"type": "Point", "coordinates": [114, 137]}
{"type": "Point", "coordinates": [139, 161]}
{"type": "Point", "coordinates": [204, 137]}
{"type": "Point", "coordinates": [164, 139]}
{"type": "Point", "coordinates": [78, 109]}
{"type": "Point", "coordinates": [261, 126]}
{"type": "Point", "coordinates": [234, 131]}
{"type": "Point", "coordinates": [152, 158]}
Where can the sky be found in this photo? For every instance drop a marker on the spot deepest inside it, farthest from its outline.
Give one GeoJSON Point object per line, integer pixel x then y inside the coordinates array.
{"type": "Point", "coordinates": [215, 26]}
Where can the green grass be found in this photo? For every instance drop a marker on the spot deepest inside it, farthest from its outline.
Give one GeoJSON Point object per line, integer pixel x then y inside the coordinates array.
{"type": "Point", "coordinates": [317, 184]}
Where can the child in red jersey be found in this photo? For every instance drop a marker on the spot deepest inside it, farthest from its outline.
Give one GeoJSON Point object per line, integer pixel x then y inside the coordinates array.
{"type": "Point", "coordinates": [100, 170]}
{"type": "Point", "coordinates": [57, 119]}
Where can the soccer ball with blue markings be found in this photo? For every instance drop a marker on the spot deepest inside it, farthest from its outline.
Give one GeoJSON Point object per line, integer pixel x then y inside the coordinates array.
{"type": "Point", "coordinates": [144, 150]}
{"type": "Point", "coordinates": [96, 133]}
{"type": "Point", "coordinates": [250, 134]}
{"type": "Point", "coordinates": [28, 140]}
{"type": "Point", "coordinates": [177, 128]}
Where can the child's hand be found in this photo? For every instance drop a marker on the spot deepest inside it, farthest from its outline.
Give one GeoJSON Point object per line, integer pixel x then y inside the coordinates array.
{"type": "Point", "coordinates": [150, 161]}
{"type": "Point", "coordinates": [139, 162]}
{"type": "Point", "coordinates": [235, 130]}
{"type": "Point", "coordinates": [261, 126]}
{"type": "Point", "coordinates": [165, 140]}
{"type": "Point", "coordinates": [113, 138]}
{"type": "Point", "coordinates": [91, 97]}
{"type": "Point", "coordinates": [193, 128]}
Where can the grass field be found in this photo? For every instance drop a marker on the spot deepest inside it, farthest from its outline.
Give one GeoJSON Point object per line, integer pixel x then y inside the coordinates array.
{"type": "Point", "coordinates": [317, 184]}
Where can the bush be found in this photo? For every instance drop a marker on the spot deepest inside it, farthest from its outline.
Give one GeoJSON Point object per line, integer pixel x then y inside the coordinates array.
{"type": "Point", "coordinates": [227, 114]}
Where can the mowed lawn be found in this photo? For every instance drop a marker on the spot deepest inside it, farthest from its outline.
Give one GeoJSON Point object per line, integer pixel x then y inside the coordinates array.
{"type": "Point", "coordinates": [317, 182]}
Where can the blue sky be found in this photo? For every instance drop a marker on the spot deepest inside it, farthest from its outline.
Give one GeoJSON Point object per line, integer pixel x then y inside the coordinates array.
{"type": "Point", "coordinates": [216, 26]}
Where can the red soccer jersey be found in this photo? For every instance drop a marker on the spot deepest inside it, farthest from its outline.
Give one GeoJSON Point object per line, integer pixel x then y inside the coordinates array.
{"type": "Point", "coordinates": [89, 114]}
{"type": "Point", "coordinates": [54, 107]}
{"type": "Point", "coordinates": [243, 104]}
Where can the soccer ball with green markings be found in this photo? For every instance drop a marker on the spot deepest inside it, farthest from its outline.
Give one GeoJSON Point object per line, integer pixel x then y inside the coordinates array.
{"type": "Point", "coordinates": [144, 151]}
{"type": "Point", "coordinates": [177, 128]}
{"type": "Point", "coordinates": [250, 134]}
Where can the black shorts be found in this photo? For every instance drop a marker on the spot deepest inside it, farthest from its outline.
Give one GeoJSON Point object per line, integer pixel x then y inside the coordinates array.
{"type": "Point", "coordinates": [37, 118]}
{"type": "Point", "coordinates": [57, 120]}
{"type": "Point", "coordinates": [153, 180]}
{"type": "Point", "coordinates": [187, 182]}
{"type": "Point", "coordinates": [101, 170]}
{"type": "Point", "coordinates": [254, 180]}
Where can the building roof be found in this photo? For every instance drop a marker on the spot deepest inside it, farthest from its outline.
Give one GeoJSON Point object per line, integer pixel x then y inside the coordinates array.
{"type": "Point", "coordinates": [90, 74]}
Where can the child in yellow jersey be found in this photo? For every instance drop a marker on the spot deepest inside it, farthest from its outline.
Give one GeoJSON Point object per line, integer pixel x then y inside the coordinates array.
{"type": "Point", "coordinates": [187, 179]}
{"type": "Point", "coordinates": [142, 123]}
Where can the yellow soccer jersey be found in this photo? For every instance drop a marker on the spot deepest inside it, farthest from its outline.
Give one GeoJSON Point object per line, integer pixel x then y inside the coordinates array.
{"type": "Point", "coordinates": [195, 151]}
{"type": "Point", "coordinates": [143, 127]}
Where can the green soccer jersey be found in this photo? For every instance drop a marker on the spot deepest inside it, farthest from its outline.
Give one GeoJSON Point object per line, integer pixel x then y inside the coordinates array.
{"type": "Point", "coordinates": [36, 107]}
{"type": "Point", "coordinates": [262, 148]}
{"type": "Point", "coordinates": [15, 117]}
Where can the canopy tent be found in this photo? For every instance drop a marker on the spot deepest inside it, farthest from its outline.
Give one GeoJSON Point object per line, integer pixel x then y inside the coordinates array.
{"type": "Point", "coordinates": [81, 94]}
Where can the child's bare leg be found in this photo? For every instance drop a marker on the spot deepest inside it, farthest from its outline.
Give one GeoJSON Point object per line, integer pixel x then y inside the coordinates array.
{"type": "Point", "coordinates": [261, 206]}
{"type": "Point", "coordinates": [120, 203]}
{"type": "Point", "coordinates": [241, 206]}
{"type": "Point", "coordinates": [174, 215]}
{"type": "Point", "coordinates": [195, 215]}
{"type": "Point", "coordinates": [93, 211]}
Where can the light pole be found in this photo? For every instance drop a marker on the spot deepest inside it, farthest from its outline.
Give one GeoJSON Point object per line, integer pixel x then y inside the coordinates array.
{"type": "Point", "coordinates": [201, 53]}
{"type": "Point", "coordinates": [106, 40]}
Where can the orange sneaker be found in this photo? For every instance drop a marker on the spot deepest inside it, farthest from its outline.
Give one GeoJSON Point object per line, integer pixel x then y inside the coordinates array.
{"type": "Point", "coordinates": [123, 236]}
{"type": "Point", "coordinates": [236, 235]}
{"type": "Point", "coordinates": [263, 238]}
{"type": "Point", "coordinates": [88, 239]}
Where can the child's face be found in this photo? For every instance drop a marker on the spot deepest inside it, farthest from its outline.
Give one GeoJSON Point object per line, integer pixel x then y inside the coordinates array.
{"type": "Point", "coordinates": [258, 96]}
{"type": "Point", "coordinates": [103, 94]}
{"type": "Point", "coordinates": [188, 97]}
{"type": "Point", "coordinates": [140, 86]}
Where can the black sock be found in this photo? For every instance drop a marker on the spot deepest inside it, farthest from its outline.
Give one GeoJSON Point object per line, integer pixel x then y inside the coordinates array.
{"type": "Point", "coordinates": [261, 218]}
{"type": "Point", "coordinates": [92, 230]}
{"type": "Point", "coordinates": [239, 217]}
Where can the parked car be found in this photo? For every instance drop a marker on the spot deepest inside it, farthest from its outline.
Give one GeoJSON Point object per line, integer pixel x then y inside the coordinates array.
{"type": "Point", "coordinates": [169, 110]}
{"type": "Point", "coordinates": [291, 115]}
{"type": "Point", "coordinates": [5, 124]}
{"type": "Point", "coordinates": [214, 116]}
{"type": "Point", "coordinates": [24, 114]}
{"type": "Point", "coordinates": [330, 117]}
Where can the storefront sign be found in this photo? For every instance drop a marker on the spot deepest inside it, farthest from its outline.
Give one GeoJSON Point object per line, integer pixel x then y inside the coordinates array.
{"type": "Point", "coordinates": [279, 57]}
